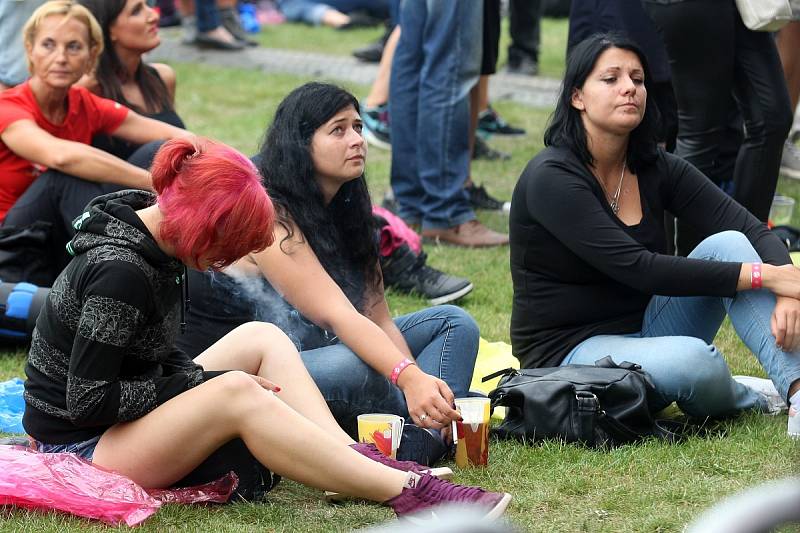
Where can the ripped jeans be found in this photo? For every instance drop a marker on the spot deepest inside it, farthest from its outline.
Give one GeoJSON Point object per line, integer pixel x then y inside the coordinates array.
{"type": "Point", "coordinates": [675, 343]}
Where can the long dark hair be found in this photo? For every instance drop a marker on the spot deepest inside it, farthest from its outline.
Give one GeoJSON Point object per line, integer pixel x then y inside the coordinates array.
{"type": "Point", "coordinates": [566, 127]}
{"type": "Point", "coordinates": [110, 72]}
{"type": "Point", "coordinates": [342, 234]}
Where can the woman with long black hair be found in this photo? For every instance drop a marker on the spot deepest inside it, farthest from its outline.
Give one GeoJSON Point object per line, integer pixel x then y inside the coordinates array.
{"type": "Point", "coordinates": [321, 282]}
{"type": "Point", "coordinates": [588, 252]}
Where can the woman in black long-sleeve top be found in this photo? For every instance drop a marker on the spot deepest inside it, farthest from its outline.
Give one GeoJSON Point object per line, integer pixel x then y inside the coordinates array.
{"type": "Point", "coordinates": [588, 244]}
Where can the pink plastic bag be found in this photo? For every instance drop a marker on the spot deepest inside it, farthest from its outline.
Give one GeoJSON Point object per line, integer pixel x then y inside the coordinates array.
{"type": "Point", "coordinates": [66, 482]}
{"type": "Point", "coordinates": [395, 233]}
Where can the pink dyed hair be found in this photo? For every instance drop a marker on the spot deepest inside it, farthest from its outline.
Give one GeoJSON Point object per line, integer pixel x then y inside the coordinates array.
{"type": "Point", "coordinates": [214, 205]}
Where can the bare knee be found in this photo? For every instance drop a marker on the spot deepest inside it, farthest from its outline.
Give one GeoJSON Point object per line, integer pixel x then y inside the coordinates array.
{"type": "Point", "coordinates": [239, 394]}
{"type": "Point", "coordinates": [266, 340]}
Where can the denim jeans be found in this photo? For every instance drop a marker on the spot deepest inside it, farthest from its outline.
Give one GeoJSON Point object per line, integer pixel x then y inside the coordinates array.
{"type": "Point", "coordinates": [13, 61]}
{"type": "Point", "coordinates": [675, 347]}
{"type": "Point", "coordinates": [207, 15]}
{"type": "Point", "coordinates": [311, 12]}
{"type": "Point", "coordinates": [444, 342]}
{"type": "Point", "coordinates": [83, 449]}
{"type": "Point", "coordinates": [436, 63]}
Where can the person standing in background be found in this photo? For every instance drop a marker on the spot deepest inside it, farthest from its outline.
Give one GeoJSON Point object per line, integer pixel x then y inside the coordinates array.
{"type": "Point", "coordinates": [13, 62]}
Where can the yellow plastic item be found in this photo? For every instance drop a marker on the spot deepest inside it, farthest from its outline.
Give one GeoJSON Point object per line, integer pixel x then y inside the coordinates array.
{"type": "Point", "coordinates": [795, 259]}
{"type": "Point", "coordinates": [492, 356]}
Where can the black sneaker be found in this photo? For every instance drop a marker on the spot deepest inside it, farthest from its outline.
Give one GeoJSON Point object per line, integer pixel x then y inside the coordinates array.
{"type": "Point", "coordinates": [407, 272]}
{"type": "Point", "coordinates": [484, 151]}
{"type": "Point", "coordinates": [523, 67]}
{"type": "Point", "coordinates": [490, 123]}
{"type": "Point", "coordinates": [480, 199]}
{"type": "Point", "coordinates": [372, 52]}
{"type": "Point", "coordinates": [375, 126]}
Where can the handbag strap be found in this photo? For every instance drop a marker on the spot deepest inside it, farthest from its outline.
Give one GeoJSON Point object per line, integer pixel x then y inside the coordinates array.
{"type": "Point", "coordinates": [588, 407]}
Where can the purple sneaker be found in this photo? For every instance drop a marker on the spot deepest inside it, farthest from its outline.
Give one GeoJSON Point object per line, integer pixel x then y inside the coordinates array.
{"type": "Point", "coordinates": [423, 492]}
{"type": "Point", "coordinates": [371, 451]}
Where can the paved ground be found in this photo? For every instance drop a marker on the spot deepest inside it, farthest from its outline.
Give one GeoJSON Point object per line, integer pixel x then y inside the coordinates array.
{"type": "Point", "coordinates": [529, 90]}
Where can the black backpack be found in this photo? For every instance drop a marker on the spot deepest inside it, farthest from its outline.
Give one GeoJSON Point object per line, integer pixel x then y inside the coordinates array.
{"type": "Point", "coordinates": [602, 405]}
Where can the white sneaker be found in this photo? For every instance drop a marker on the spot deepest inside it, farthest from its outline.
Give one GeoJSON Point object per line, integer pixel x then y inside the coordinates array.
{"type": "Point", "coordinates": [794, 423]}
{"type": "Point", "coordinates": [775, 404]}
{"type": "Point", "coordinates": [790, 160]}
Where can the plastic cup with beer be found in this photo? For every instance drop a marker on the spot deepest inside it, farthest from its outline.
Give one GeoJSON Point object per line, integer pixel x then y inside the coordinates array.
{"type": "Point", "coordinates": [472, 434]}
{"type": "Point", "coordinates": [382, 430]}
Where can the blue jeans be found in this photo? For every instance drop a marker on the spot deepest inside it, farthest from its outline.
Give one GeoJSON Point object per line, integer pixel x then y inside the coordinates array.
{"type": "Point", "coordinates": [207, 15]}
{"type": "Point", "coordinates": [444, 342]}
{"type": "Point", "coordinates": [675, 347]}
{"type": "Point", "coordinates": [13, 61]}
{"type": "Point", "coordinates": [83, 449]}
{"type": "Point", "coordinates": [436, 63]}
{"type": "Point", "coordinates": [311, 12]}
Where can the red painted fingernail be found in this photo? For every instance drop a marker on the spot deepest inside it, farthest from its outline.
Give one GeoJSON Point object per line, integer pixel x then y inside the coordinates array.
{"type": "Point", "coordinates": [277, 389]}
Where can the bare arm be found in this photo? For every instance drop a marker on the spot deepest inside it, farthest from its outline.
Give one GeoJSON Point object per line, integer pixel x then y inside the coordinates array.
{"type": "Point", "coordinates": [137, 129]}
{"type": "Point", "coordinates": [378, 311]}
{"type": "Point", "coordinates": [296, 273]}
{"type": "Point", "coordinates": [31, 142]}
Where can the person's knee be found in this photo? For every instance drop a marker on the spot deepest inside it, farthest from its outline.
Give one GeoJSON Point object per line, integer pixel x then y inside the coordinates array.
{"type": "Point", "coordinates": [697, 366]}
{"type": "Point", "coordinates": [241, 395]}
{"type": "Point", "coordinates": [456, 317]}
{"type": "Point", "coordinates": [727, 245]}
{"type": "Point", "coordinates": [266, 337]}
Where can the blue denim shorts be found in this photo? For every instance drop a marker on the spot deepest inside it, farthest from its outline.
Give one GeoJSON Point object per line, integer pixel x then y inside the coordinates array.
{"type": "Point", "coordinates": [83, 449]}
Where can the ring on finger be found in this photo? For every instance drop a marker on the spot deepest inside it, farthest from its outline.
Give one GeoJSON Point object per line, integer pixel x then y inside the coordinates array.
{"type": "Point", "coordinates": [423, 417]}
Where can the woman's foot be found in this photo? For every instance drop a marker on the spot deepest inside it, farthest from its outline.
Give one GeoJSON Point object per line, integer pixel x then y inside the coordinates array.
{"type": "Point", "coordinates": [775, 404]}
{"type": "Point", "coordinates": [424, 492]}
{"type": "Point", "coordinates": [218, 38]}
{"type": "Point", "coordinates": [371, 451]}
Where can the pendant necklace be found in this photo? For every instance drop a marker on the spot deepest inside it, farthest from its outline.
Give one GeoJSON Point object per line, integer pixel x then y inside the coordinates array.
{"type": "Point", "coordinates": [613, 201]}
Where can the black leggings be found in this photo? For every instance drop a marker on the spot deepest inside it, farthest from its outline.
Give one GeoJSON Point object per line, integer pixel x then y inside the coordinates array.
{"type": "Point", "coordinates": [57, 198]}
{"type": "Point", "coordinates": [713, 56]}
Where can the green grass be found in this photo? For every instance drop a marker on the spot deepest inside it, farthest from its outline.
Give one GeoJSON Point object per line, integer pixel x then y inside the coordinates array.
{"type": "Point", "coordinates": [327, 40]}
{"type": "Point", "coordinates": [648, 487]}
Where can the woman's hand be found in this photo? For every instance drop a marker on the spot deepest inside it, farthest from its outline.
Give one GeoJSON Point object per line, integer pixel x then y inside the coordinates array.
{"type": "Point", "coordinates": [785, 323]}
{"type": "Point", "coordinates": [783, 280]}
{"type": "Point", "coordinates": [429, 399]}
{"type": "Point", "coordinates": [265, 383]}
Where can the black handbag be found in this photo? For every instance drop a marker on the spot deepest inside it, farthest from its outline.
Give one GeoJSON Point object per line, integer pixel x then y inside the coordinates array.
{"type": "Point", "coordinates": [602, 405]}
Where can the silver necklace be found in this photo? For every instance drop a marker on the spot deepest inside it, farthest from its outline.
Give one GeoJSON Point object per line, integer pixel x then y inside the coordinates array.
{"type": "Point", "coordinates": [613, 201]}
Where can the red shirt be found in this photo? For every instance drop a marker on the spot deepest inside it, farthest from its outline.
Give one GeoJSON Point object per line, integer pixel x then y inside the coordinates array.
{"type": "Point", "coordinates": [87, 115]}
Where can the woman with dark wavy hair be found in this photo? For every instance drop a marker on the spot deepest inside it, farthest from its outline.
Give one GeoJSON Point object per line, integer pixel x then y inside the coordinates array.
{"type": "Point", "coordinates": [130, 30]}
{"type": "Point", "coordinates": [324, 265]}
{"type": "Point", "coordinates": [588, 252]}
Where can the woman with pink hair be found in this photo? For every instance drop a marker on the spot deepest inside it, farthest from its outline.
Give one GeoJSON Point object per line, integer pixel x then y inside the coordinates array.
{"type": "Point", "coordinates": [105, 381]}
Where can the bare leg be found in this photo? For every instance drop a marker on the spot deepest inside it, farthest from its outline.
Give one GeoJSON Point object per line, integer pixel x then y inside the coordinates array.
{"type": "Point", "coordinates": [478, 97]}
{"type": "Point", "coordinates": [379, 93]}
{"type": "Point", "coordinates": [263, 349]}
{"type": "Point", "coordinates": [167, 443]}
{"type": "Point", "coordinates": [334, 18]}
{"type": "Point", "coordinates": [186, 7]}
{"type": "Point", "coordinates": [788, 42]}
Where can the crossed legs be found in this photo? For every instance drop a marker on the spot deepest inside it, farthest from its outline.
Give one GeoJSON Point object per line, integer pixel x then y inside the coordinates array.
{"type": "Point", "coordinates": [291, 432]}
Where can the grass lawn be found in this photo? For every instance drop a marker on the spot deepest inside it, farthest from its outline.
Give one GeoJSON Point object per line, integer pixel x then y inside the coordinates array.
{"type": "Point", "coordinates": [648, 487]}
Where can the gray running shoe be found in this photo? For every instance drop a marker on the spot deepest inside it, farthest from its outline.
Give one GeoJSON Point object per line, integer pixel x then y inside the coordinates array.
{"type": "Point", "coordinates": [790, 161]}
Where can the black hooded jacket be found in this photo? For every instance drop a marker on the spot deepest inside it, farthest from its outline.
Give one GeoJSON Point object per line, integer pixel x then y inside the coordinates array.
{"type": "Point", "coordinates": [102, 351]}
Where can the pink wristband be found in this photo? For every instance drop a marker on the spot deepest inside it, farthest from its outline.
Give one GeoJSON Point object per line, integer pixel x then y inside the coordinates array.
{"type": "Point", "coordinates": [399, 367]}
{"type": "Point", "coordinates": [755, 276]}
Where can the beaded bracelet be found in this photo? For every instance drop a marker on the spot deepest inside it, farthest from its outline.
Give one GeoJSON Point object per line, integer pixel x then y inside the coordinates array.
{"type": "Point", "coordinates": [755, 276]}
{"type": "Point", "coordinates": [399, 367]}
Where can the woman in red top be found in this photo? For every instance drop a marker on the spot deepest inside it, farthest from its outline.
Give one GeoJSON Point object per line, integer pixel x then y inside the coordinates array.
{"type": "Point", "coordinates": [48, 170]}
